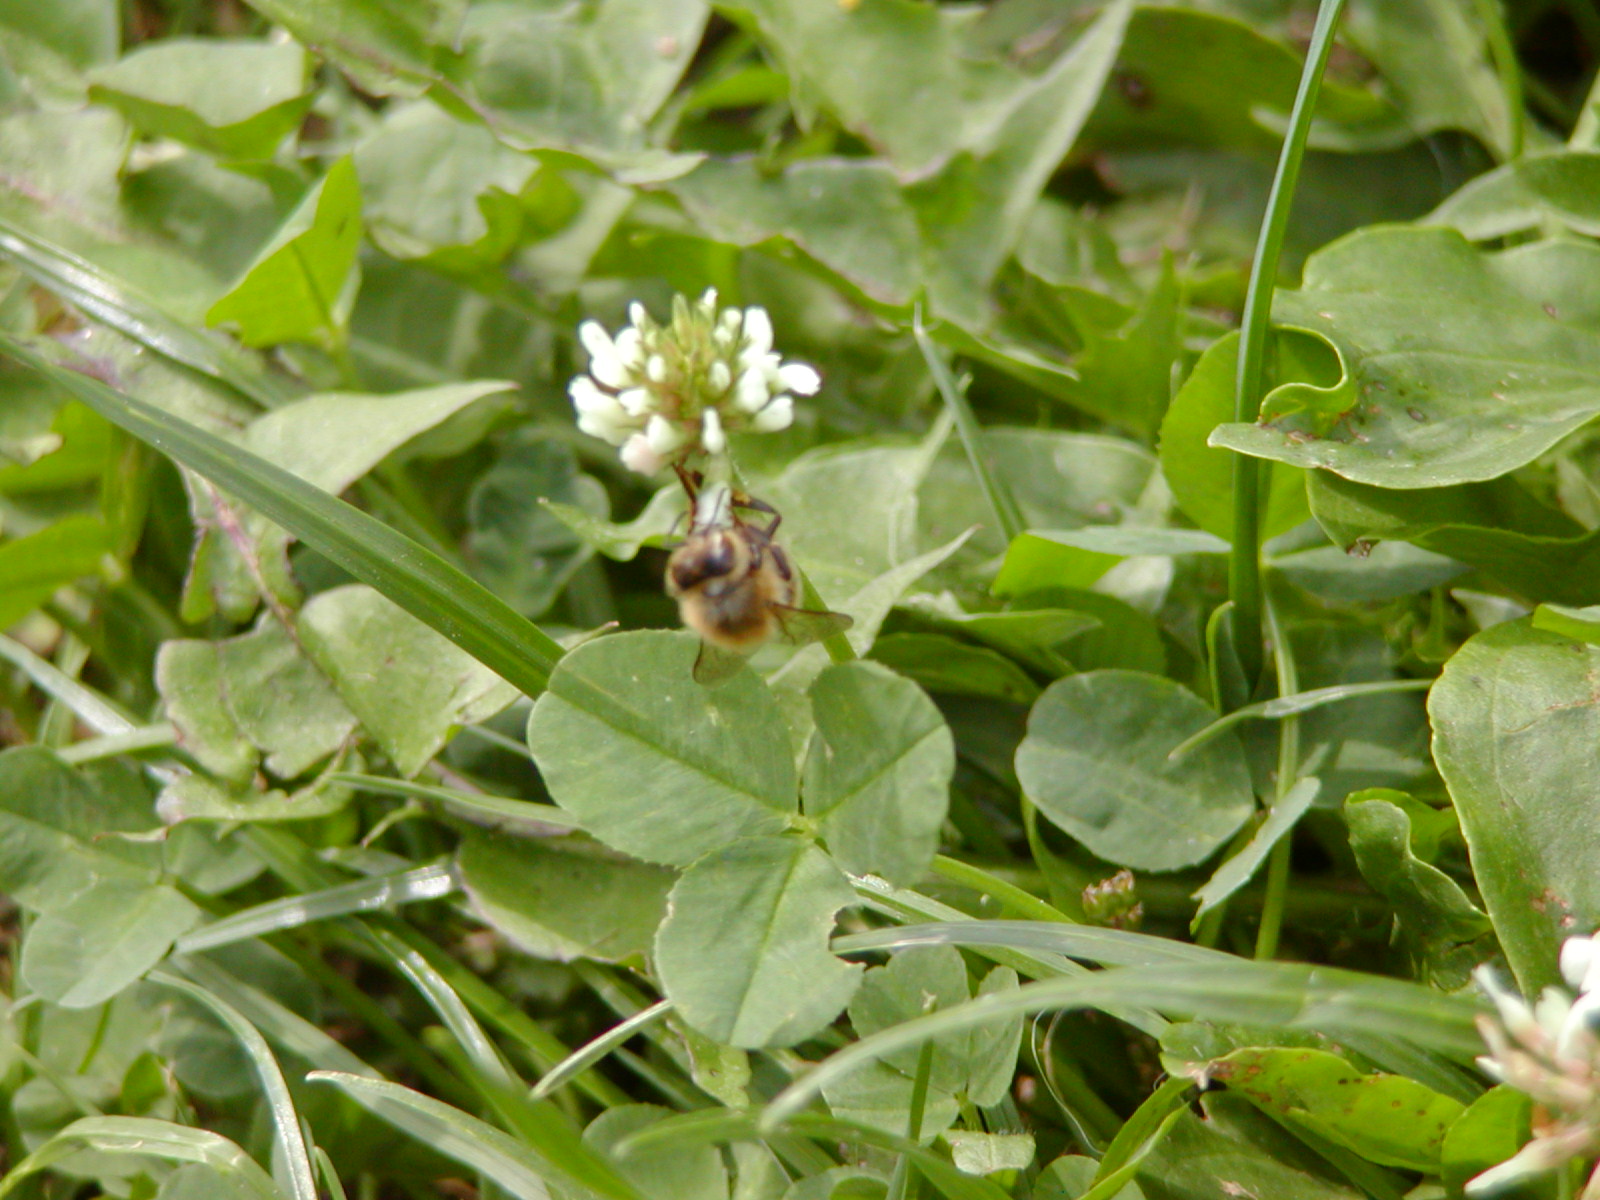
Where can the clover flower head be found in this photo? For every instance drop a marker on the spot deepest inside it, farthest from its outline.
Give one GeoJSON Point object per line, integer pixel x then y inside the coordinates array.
{"type": "Point", "coordinates": [664, 392]}
{"type": "Point", "coordinates": [1549, 1050]}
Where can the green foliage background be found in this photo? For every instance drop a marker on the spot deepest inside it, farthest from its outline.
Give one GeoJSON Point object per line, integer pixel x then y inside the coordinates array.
{"type": "Point", "coordinates": [340, 854]}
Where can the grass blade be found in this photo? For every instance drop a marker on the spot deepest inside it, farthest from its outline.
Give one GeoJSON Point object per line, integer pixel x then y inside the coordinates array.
{"type": "Point", "coordinates": [291, 1141]}
{"type": "Point", "coordinates": [1285, 995]}
{"type": "Point", "coordinates": [362, 895]}
{"type": "Point", "coordinates": [415, 578]}
{"type": "Point", "coordinates": [141, 1135]}
{"type": "Point", "coordinates": [461, 1136]}
{"type": "Point", "coordinates": [111, 301]}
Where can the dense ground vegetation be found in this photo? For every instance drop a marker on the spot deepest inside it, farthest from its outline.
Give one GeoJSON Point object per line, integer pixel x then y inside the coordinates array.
{"type": "Point", "coordinates": [1217, 699]}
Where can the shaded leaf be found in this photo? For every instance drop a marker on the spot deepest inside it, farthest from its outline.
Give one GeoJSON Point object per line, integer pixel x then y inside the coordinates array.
{"type": "Point", "coordinates": [1095, 761]}
{"type": "Point", "coordinates": [237, 99]}
{"type": "Point", "coordinates": [1515, 715]}
{"type": "Point", "coordinates": [877, 775]}
{"type": "Point", "coordinates": [1454, 367]}
{"type": "Point", "coordinates": [563, 899]}
{"type": "Point", "coordinates": [408, 686]}
{"type": "Point", "coordinates": [653, 763]}
{"type": "Point", "coordinates": [766, 907]}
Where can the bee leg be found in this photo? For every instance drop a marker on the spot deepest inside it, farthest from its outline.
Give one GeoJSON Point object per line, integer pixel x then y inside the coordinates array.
{"type": "Point", "coordinates": [691, 480]}
{"type": "Point", "coordinates": [762, 506]}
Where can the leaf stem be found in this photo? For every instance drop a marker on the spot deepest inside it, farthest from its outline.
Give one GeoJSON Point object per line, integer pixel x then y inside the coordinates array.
{"type": "Point", "coordinates": [1244, 572]}
{"type": "Point", "coordinates": [1007, 513]}
{"type": "Point", "coordinates": [1023, 903]}
{"type": "Point", "coordinates": [1504, 55]}
{"type": "Point", "coordinates": [1287, 775]}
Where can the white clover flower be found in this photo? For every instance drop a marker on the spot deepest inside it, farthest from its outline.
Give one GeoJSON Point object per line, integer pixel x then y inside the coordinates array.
{"type": "Point", "coordinates": [638, 456]}
{"type": "Point", "coordinates": [666, 392]}
{"type": "Point", "coordinates": [1550, 1051]}
{"type": "Point", "coordinates": [711, 435]}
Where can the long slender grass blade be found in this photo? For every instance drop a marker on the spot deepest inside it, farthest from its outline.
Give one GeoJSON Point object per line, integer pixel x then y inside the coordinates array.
{"type": "Point", "coordinates": [412, 576]}
{"type": "Point", "coordinates": [286, 1121]}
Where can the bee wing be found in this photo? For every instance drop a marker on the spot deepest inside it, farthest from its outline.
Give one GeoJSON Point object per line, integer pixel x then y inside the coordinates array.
{"type": "Point", "coordinates": [715, 665]}
{"type": "Point", "coordinates": [802, 626]}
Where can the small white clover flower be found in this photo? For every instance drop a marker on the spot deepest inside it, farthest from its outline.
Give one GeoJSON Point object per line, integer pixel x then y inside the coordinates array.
{"type": "Point", "coordinates": [666, 392]}
{"type": "Point", "coordinates": [1551, 1052]}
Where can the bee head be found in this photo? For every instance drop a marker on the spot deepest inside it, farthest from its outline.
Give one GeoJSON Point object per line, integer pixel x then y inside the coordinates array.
{"type": "Point", "coordinates": [707, 558]}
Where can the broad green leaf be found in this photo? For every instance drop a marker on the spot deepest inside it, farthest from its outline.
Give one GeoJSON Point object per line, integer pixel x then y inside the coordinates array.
{"type": "Point", "coordinates": [975, 209]}
{"type": "Point", "coordinates": [622, 542]}
{"type": "Point", "coordinates": [831, 56]}
{"type": "Point", "coordinates": [196, 798]}
{"type": "Point", "coordinates": [1365, 572]}
{"type": "Point", "coordinates": [467, 216]}
{"type": "Point", "coordinates": [73, 446]}
{"type": "Point", "coordinates": [1199, 474]}
{"type": "Point", "coordinates": [1280, 819]}
{"type": "Point", "coordinates": [851, 511]}
{"type": "Point", "coordinates": [1443, 929]}
{"type": "Point", "coordinates": [1579, 624]}
{"type": "Point", "coordinates": [82, 952]}
{"type": "Point", "coordinates": [387, 46]}
{"type": "Point", "coordinates": [1495, 1127]}
{"type": "Point", "coordinates": [34, 567]}
{"type": "Point", "coordinates": [1496, 526]}
{"type": "Point", "coordinates": [563, 899]}
{"type": "Point", "coordinates": [985, 1153]}
{"type": "Point", "coordinates": [408, 686]}
{"type": "Point", "coordinates": [912, 983]}
{"type": "Point", "coordinates": [979, 1065]}
{"type": "Point", "coordinates": [1322, 1092]}
{"type": "Point", "coordinates": [406, 572]}
{"type": "Point", "coordinates": [1455, 368]}
{"type": "Point", "coordinates": [303, 282]}
{"type": "Point", "coordinates": [589, 80]}
{"type": "Point", "coordinates": [514, 1165]}
{"type": "Point", "coordinates": [875, 252]}
{"type": "Point", "coordinates": [653, 763]}
{"type": "Point", "coordinates": [1124, 637]}
{"type": "Point", "coordinates": [1213, 79]}
{"type": "Point", "coordinates": [880, 1097]}
{"type": "Point", "coordinates": [877, 775]}
{"type": "Point", "coordinates": [1060, 480]}
{"type": "Point", "coordinates": [1124, 371]}
{"type": "Point", "coordinates": [516, 543]}
{"type": "Point", "coordinates": [1043, 559]}
{"type": "Point", "coordinates": [1232, 1142]}
{"type": "Point", "coordinates": [237, 99]}
{"type": "Point", "coordinates": [1515, 717]}
{"type": "Point", "coordinates": [250, 697]}
{"type": "Point", "coordinates": [764, 908]}
{"type": "Point", "coordinates": [663, 1172]}
{"type": "Point", "coordinates": [1531, 195]}
{"type": "Point", "coordinates": [1437, 66]}
{"type": "Point", "coordinates": [84, 32]}
{"type": "Point", "coordinates": [164, 1140]}
{"type": "Point", "coordinates": [942, 664]}
{"type": "Point", "coordinates": [1095, 762]}
{"type": "Point", "coordinates": [1032, 635]}
{"type": "Point", "coordinates": [103, 915]}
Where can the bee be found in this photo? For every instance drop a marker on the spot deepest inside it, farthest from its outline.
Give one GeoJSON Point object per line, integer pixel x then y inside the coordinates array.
{"type": "Point", "coordinates": [735, 586]}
